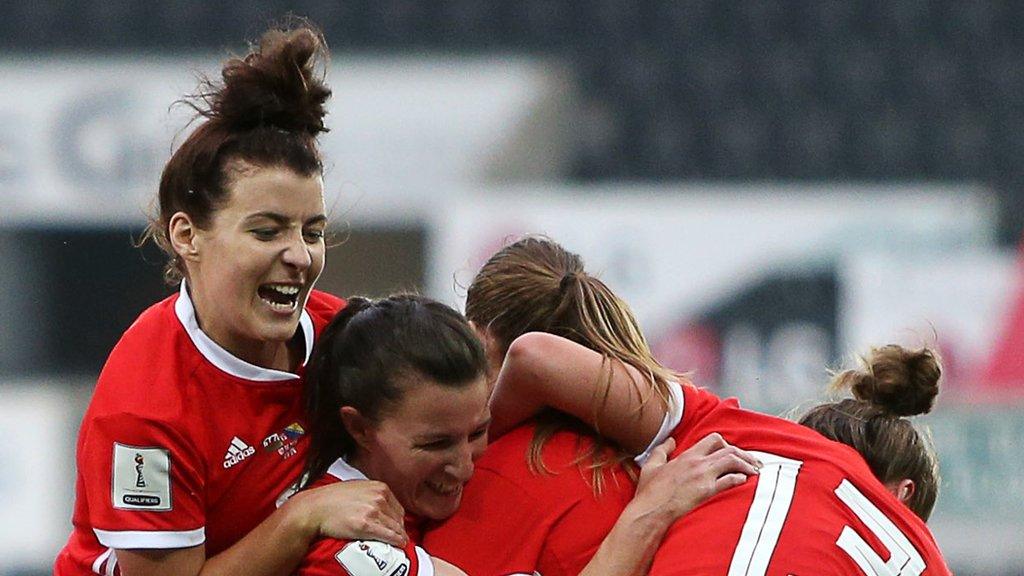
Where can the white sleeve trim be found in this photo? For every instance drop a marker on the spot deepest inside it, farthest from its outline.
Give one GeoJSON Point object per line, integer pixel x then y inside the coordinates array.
{"type": "Point", "coordinates": [150, 539]}
{"type": "Point", "coordinates": [673, 416]}
{"type": "Point", "coordinates": [425, 562]}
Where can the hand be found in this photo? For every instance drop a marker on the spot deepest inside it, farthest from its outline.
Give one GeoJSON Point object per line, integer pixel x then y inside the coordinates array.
{"type": "Point", "coordinates": [353, 510]}
{"type": "Point", "coordinates": [669, 489]}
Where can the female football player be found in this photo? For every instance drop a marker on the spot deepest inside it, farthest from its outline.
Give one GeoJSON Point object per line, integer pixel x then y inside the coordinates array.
{"type": "Point", "coordinates": [815, 508]}
{"type": "Point", "coordinates": [398, 393]}
{"type": "Point", "coordinates": [195, 432]}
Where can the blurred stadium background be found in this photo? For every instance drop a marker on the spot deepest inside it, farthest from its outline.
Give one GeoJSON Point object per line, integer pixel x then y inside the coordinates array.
{"type": "Point", "coordinates": [773, 185]}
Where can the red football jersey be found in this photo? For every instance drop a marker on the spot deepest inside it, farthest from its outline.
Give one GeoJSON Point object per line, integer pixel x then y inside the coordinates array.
{"type": "Point", "coordinates": [515, 521]}
{"type": "Point", "coordinates": [183, 443]}
{"type": "Point", "coordinates": [815, 509]}
{"type": "Point", "coordinates": [331, 557]}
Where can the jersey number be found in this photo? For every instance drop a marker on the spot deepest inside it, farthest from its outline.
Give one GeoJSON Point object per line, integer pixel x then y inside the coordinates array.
{"type": "Point", "coordinates": [775, 488]}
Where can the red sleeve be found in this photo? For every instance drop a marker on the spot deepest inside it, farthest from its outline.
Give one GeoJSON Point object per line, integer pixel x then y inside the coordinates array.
{"type": "Point", "coordinates": [498, 512]}
{"type": "Point", "coordinates": [144, 482]}
{"type": "Point", "coordinates": [330, 557]}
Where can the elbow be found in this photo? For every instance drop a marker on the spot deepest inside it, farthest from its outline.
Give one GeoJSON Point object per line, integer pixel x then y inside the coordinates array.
{"type": "Point", "coordinates": [528, 356]}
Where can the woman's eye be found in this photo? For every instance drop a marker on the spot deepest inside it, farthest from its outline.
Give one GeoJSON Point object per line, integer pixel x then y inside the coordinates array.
{"type": "Point", "coordinates": [264, 233]}
{"type": "Point", "coordinates": [313, 236]}
{"type": "Point", "coordinates": [436, 445]}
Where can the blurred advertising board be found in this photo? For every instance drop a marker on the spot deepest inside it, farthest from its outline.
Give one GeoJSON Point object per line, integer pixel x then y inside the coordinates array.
{"type": "Point", "coordinates": [38, 422]}
{"type": "Point", "coordinates": [83, 139]}
{"type": "Point", "coordinates": [734, 283]}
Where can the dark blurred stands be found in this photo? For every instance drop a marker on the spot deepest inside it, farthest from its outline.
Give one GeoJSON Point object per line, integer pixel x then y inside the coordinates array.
{"type": "Point", "coordinates": [678, 89]}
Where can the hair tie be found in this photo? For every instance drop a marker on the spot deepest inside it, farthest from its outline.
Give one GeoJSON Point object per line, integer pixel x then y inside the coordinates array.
{"type": "Point", "coordinates": [568, 279]}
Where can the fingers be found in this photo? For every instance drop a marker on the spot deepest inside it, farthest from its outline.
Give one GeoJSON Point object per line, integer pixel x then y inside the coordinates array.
{"type": "Point", "coordinates": [728, 481]}
{"type": "Point", "coordinates": [660, 453]}
{"type": "Point", "coordinates": [362, 510]}
{"type": "Point", "coordinates": [708, 444]}
{"type": "Point", "coordinates": [392, 506]}
{"type": "Point", "coordinates": [714, 442]}
{"type": "Point", "coordinates": [389, 532]}
{"type": "Point", "coordinates": [730, 460]}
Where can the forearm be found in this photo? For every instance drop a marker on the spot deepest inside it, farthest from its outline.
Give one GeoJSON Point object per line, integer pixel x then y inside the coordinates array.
{"type": "Point", "coordinates": [545, 370]}
{"type": "Point", "coordinates": [630, 546]}
{"type": "Point", "coordinates": [274, 548]}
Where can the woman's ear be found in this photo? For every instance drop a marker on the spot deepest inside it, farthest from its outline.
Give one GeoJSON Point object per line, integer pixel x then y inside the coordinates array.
{"type": "Point", "coordinates": [181, 232]}
{"type": "Point", "coordinates": [902, 490]}
{"type": "Point", "coordinates": [357, 425]}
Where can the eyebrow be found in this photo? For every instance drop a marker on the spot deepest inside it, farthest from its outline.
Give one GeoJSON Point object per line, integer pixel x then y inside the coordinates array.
{"type": "Point", "coordinates": [283, 220]}
{"type": "Point", "coordinates": [434, 436]}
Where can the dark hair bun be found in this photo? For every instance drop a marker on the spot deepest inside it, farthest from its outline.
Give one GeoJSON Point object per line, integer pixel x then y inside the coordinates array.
{"type": "Point", "coordinates": [896, 380]}
{"type": "Point", "coordinates": [280, 84]}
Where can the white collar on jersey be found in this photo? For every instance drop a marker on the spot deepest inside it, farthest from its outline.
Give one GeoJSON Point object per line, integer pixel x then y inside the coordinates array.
{"type": "Point", "coordinates": [344, 471]}
{"type": "Point", "coordinates": [223, 359]}
{"type": "Point", "coordinates": [673, 416]}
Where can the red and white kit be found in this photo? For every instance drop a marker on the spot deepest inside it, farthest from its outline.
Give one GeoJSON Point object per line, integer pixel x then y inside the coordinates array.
{"type": "Point", "coordinates": [515, 521]}
{"type": "Point", "coordinates": [815, 509]}
{"type": "Point", "coordinates": [331, 557]}
{"type": "Point", "coordinates": [184, 443]}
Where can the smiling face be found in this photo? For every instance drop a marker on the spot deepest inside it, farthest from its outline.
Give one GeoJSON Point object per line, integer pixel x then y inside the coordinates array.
{"type": "Point", "coordinates": [423, 448]}
{"type": "Point", "coordinates": [252, 268]}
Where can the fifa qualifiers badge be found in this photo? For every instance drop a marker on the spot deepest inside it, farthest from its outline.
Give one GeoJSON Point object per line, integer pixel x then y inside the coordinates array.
{"type": "Point", "coordinates": [140, 481]}
{"type": "Point", "coordinates": [141, 478]}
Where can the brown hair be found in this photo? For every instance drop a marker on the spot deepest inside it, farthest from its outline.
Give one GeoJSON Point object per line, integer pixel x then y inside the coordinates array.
{"type": "Point", "coordinates": [267, 112]}
{"type": "Point", "coordinates": [535, 285]}
{"type": "Point", "coordinates": [894, 383]}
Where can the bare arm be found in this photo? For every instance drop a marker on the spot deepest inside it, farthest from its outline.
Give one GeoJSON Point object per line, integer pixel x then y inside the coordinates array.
{"type": "Point", "coordinates": [542, 370]}
{"type": "Point", "coordinates": [442, 568]}
{"type": "Point", "coordinates": [348, 510]}
{"type": "Point", "coordinates": [667, 490]}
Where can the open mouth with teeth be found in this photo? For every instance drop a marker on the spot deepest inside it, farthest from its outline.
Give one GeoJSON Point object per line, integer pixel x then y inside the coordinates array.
{"type": "Point", "coordinates": [445, 489]}
{"type": "Point", "coordinates": [281, 297]}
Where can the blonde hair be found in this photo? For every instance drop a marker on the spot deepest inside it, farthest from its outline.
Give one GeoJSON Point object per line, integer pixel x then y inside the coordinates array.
{"type": "Point", "coordinates": [536, 285]}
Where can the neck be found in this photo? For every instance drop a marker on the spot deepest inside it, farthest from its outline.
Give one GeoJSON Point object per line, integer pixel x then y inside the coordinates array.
{"type": "Point", "coordinates": [285, 356]}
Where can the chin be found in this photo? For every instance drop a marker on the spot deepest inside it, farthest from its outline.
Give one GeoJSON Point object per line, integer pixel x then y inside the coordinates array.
{"type": "Point", "coordinates": [441, 511]}
{"type": "Point", "coordinates": [280, 331]}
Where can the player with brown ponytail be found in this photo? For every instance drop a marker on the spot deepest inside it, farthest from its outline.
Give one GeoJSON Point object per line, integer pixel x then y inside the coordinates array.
{"type": "Point", "coordinates": [195, 434]}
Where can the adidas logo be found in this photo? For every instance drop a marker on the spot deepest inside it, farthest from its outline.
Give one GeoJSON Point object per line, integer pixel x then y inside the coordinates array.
{"type": "Point", "coordinates": [237, 451]}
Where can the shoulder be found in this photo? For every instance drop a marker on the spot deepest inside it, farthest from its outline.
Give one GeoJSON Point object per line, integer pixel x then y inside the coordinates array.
{"type": "Point", "coordinates": [564, 477]}
{"type": "Point", "coordinates": [145, 368]}
{"type": "Point", "coordinates": [322, 306]}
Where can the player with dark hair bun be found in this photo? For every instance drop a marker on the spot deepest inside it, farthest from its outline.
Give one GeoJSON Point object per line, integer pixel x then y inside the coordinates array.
{"type": "Point", "coordinates": [894, 383]}
{"type": "Point", "coordinates": [195, 435]}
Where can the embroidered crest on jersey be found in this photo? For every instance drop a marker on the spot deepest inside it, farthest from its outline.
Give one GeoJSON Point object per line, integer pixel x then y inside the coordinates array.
{"type": "Point", "coordinates": [367, 558]}
{"type": "Point", "coordinates": [238, 450]}
{"type": "Point", "coordinates": [284, 441]}
{"type": "Point", "coordinates": [141, 478]}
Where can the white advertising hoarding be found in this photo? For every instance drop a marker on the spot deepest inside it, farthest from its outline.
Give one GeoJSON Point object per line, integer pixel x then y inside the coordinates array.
{"type": "Point", "coordinates": [83, 139]}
